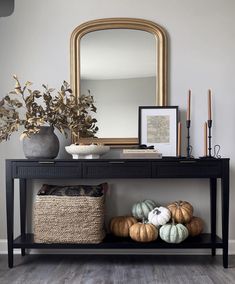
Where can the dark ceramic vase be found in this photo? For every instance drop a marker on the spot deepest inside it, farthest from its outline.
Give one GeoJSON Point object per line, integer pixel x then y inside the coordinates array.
{"type": "Point", "coordinates": [42, 145]}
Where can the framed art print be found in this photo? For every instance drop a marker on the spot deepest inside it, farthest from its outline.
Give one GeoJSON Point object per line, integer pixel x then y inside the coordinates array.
{"type": "Point", "coordinates": [158, 127]}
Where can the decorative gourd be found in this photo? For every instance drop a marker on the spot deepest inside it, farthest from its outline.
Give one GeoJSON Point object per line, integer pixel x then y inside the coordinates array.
{"type": "Point", "coordinates": [143, 232]}
{"type": "Point", "coordinates": [140, 210]}
{"type": "Point", "coordinates": [159, 216]}
{"type": "Point", "coordinates": [120, 225]}
{"type": "Point", "coordinates": [181, 211]}
{"type": "Point", "coordinates": [173, 233]}
{"type": "Point", "coordinates": [195, 226]}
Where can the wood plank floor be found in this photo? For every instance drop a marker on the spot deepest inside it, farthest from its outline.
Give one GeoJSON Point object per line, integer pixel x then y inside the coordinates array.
{"type": "Point", "coordinates": [106, 269]}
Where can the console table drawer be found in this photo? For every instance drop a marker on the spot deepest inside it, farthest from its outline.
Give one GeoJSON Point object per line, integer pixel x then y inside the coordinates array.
{"type": "Point", "coordinates": [117, 169]}
{"type": "Point", "coordinates": [187, 169]}
{"type": "Point", "coordinates": [47, 170]}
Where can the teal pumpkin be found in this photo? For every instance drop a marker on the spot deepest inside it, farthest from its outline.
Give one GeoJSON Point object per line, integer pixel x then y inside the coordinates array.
{"type": "Point", "coordinates": [140, 210]}
{"type": "Point", "coordinates": [173, 233]}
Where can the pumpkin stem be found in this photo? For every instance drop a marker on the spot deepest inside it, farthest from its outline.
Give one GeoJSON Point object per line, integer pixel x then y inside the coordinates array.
{"type": "Point", "coordinates": [157, 211]}
{"type": "Point", "coordinates": [144, 221]}
{"type": "Point", "coordinates": [173, 221]}
{"type": "Point", "coordinates": [179, 203]}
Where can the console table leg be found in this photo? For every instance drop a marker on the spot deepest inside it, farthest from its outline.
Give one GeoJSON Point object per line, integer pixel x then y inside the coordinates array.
{"type": "Point", "coordinates": [22, 210]}
{"type": "Point", "coordinates": [225, 212]}
{"type": "Point", "coordinates": [10, 212]}
{"type": "Point", "coordinates": [213, 194]}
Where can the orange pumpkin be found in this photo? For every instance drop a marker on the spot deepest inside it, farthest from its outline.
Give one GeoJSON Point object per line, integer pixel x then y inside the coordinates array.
{"type": "Point", "coordinates": [120, 225]}
{"type": "Point", "coordinates": [195, 226]}
{"type": "Point", "coordinates": [141, 232]}
{"type": "Point", "coordinates": [181, 211]}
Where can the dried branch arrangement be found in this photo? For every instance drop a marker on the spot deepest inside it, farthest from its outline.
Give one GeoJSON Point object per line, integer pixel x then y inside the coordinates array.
{"type": "Point", "coordinates": [33, 108]}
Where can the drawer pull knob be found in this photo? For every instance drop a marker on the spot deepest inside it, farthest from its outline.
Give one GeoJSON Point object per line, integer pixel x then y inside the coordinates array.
{"type": "Point", "coordinates": [116, 162]}
{"type": "Point", "coordinates": [46, 162]}
{"type": "Point", "coordinates": [187, 162]}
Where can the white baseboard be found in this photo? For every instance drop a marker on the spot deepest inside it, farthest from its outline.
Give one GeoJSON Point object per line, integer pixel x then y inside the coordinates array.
{"type": "Point", "coordinates": [3, 250]}
{"type": "Point", "coordinates": [231, 247]}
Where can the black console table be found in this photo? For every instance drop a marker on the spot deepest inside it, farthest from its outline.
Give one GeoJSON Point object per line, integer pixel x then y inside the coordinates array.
{"type": "Point", "coordinates": [211, 169]}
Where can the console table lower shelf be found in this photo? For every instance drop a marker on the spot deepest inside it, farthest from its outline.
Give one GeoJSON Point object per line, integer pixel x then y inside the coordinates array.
{"type": "Point", "coordinates": [112, 242]}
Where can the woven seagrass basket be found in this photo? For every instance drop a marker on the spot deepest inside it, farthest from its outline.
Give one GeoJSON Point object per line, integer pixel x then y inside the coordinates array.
{"type": "Point", "coordinates": [68, 219]}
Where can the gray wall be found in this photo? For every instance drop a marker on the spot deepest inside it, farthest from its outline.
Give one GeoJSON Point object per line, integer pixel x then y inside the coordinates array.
{"type": "Point", "coordinates": [35, 45]}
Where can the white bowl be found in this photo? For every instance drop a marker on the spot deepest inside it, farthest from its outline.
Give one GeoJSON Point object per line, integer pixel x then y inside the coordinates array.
{"type": "Point", "coordinates": [87, 151]}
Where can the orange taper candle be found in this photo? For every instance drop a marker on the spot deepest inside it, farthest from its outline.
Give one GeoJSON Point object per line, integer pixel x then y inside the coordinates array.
{"type": "Point", "coordinates": [179, 139]}
{"type": "Point", "coordinates": [189, 105]}
{"type": "Point", "coordinates": [209, 104]}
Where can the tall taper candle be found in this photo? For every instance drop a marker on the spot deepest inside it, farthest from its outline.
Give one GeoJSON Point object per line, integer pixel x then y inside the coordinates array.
{"type": "Point", "coordinates": [209, 104]}
{"type": "Point", "coordinates": [179, 140]}
{"type": "Point", "coordinates": [189, 105]}
{"type": "Point", "coordinates": [205, 139]}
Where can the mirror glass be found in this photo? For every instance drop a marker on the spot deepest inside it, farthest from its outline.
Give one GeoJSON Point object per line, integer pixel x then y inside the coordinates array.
{"type": "Point", "coordinates": [118, 67]}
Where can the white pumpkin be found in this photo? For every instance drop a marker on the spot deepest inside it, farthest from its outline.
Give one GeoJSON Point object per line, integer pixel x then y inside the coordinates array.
{"type": "Point", "coordinates": [159, 216]}
{"type": "Point", "coordinates": [173, 233]}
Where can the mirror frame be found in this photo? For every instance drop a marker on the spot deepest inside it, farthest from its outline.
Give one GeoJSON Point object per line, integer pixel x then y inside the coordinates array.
{"type": "Point", "coordinates": [119, 23]}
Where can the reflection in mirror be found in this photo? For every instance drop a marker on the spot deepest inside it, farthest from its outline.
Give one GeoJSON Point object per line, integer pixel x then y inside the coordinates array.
{"type": "Point", "coordinates": [119, 66]}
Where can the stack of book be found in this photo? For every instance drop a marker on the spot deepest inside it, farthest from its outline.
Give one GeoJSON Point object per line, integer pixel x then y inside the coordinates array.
{"type": "Point", "coordinates": [141, 154]}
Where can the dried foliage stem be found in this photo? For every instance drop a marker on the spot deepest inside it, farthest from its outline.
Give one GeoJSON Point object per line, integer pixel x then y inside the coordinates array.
{"type": "Point", "coordinates": [33, 109]}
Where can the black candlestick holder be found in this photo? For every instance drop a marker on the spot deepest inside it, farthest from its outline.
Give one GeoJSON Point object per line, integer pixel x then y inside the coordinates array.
{"type": "Point", "coordinates": [216, 147]}
{"type": "Point", "coordinates": [209, 123]}
{"type": "Point", "coordinates": [209, 136]}
{"type": "Point", "coordinates": [189, 147]}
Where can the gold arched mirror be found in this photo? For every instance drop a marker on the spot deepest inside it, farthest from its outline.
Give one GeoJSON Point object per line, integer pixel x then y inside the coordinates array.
{"type": "Point", "coordinates": [123, 62]}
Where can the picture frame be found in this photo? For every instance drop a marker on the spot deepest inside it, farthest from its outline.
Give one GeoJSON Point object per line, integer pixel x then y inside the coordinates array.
{"type": "Point", "coordinates": [158, 127]}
